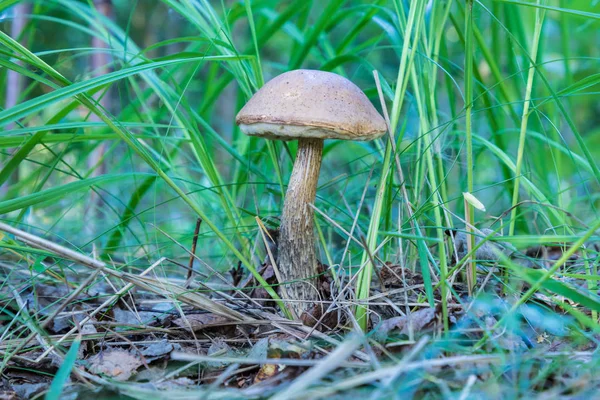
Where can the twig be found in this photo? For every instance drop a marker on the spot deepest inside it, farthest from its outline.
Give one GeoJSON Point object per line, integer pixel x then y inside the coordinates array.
{"type": "Point", "coordinates": [51, 317]}
{"type": "Point", "coordinates": [110, 300]}
{"type": "Point", "coordinates": [193, 253]}
{"type": "Point", "coordinates": [242, 360]}
{"type": "Point", "coordinates": [152, 285]}
{"type": "Point", "coordinates": [386, 372]}
{"type": "Point", "coordinates": [28, 321]}
{"type": "Point", "coordinates": [328, 364]}
{"type": "Point", "coordinates": [355, 220]}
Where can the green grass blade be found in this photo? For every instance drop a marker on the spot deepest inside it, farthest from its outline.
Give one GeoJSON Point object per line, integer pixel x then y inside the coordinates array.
{"type": "Point", "coordinates": [64, 372]}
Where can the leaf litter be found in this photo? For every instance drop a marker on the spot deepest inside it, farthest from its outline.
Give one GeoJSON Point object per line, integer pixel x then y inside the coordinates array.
{"type": "Point", "coordinates": [234, 341]}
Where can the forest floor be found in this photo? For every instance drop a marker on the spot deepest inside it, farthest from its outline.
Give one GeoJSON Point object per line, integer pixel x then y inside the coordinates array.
{"type": "Point", "coordinates": [78, 334]}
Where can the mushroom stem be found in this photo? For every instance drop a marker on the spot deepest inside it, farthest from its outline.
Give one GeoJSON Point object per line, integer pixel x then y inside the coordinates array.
{"type": "Point", "coordinates": [297, 258]}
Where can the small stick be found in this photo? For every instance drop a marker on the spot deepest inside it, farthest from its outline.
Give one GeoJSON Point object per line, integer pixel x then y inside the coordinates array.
{"type": "Point", "coordinates": [44, 324]}
{"type": "Point", "coordinates": [106, 303]}
{"type": "Point", "coordinates": [193, 253]}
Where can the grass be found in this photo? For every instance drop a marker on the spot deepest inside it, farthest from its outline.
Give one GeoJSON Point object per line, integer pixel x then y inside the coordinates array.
{"type": "Point", "coordinates": [498, 99]}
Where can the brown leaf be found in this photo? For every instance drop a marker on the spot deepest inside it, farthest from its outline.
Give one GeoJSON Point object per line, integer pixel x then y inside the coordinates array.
{"type": "Point", "coordinates": [158, 350]}
{"type": "Point", "coordinates": [200, 321]}
{"type": "Point", "coordinates": [29, 390]}
{"type": "Point", "coordinates": [392, 276]}
{"type": "Point", "coordinates": [116, 363]}
{"type": "Point", "coordinates": [418, 320]}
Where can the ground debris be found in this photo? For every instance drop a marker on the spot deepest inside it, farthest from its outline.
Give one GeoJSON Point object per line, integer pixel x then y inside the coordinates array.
{"type": "Point", "coordinates": [118, 364]}
{"type": "Point", "coordinates": [416, 321]}
{"type": "Point", "coordinates": [198, 322]}
{"type": "Point", "coordinates": [147, 318]}
{"type": "Point", "coordinates": [158, 350]}
{"type": "Point", "coordinates": [22, 384]}
{"type": "Point", "coordinates": [132, 339]}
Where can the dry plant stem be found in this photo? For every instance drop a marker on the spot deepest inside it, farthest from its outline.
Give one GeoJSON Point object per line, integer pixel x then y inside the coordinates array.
{"type": "Point", "coordinates": [211, 269]}
{"type": "Point", "coordinates": [343, 290]}
{"type": "Point", "coordinates": [467, 389]}
{"type": "Point", "coordinates": [153, 285]}
{"type": "Point", "coordinates": [106, 303]}
{"type": "Point", "coordinates": [190, 273]}
{"type": "Point", "coordinates": [180, 356]}
{"type": "Point", "coordinates": [357, 380]}
{"type": "Point", "coordinates": [320, 370]}
{"type": "Point", "coordinates": [30, 324]}
{"type": "Point", "coordinates": [50, 318]}
{"type": "Point", "coordinates": [297, 258]}
{"type": "Point", "coordinates": [348, 234]}
{"type": "Point", "coordinates": [408, 358]}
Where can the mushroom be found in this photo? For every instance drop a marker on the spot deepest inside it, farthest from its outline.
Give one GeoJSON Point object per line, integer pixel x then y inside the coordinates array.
{"type": "Point", "coordinates": [308, 106]}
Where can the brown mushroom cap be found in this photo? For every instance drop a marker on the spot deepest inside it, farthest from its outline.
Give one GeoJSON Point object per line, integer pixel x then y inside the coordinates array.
{"type": "Point", "coordinates": [310, 104]}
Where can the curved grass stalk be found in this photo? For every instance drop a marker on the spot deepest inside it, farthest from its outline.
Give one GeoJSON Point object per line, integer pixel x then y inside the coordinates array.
{"type": "Point", "coordinates": [539, 19]}
{"type": "Point", "coordinates": [79, 92]}
{"type": "Point", "coordinates": [363, 282]}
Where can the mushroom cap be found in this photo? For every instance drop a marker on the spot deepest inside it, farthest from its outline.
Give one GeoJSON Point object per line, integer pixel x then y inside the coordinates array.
{"type": "Point", "coordinates": [310, 104]}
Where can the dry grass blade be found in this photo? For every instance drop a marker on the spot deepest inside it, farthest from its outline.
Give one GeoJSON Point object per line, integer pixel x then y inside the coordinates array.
{"type": "Point", "coordinates": [241, 360]}
{"type": "Point", "coordinates": [441, 302]}
{"type": "Point", "coordinates": [102, 306]}
{"type": "Point", "coordinates": [194, 299]}
{"type": "Point", "coordinates": [50, 318]}
{"type": "Point", "coordinates": [165, 289]}
{"type": "Point", "coordinates": [387, 372]}
{"type": "Point", "coordinates": [325, 366]}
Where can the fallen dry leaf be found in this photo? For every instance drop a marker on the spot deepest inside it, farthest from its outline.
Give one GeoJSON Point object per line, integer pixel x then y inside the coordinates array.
{"type": "Point", "coordinates": [200, 321]}
{"type": "Point", "coordinates": [116, 363]}
{"type": "Point", "coordinates": [29, 390]}
{"type": "Point", "coordinates": [158, 350]}
{"type": "Point", "coordinates": [141, 317]}
{"type": "Point", "coordinates": [418, 320]}
{"type": "Point", "coordinates": [394, 275]}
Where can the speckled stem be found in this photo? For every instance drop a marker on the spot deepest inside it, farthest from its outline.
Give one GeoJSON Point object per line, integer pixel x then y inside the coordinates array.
{"type": "Point", "coordinates": [297, 258]}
